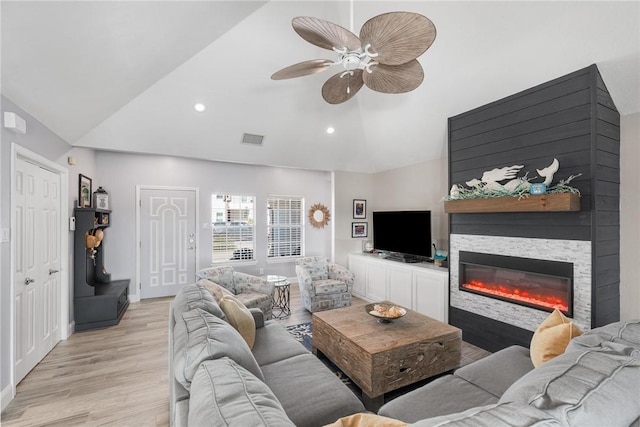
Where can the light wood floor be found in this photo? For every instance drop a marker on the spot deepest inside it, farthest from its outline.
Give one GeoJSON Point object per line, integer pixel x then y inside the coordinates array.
{"type": "Point", "coordinates": [117, 376]}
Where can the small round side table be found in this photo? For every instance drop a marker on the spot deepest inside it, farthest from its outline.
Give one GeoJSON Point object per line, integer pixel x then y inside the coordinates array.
{"type": "Point", "coordinates": [280, 307]}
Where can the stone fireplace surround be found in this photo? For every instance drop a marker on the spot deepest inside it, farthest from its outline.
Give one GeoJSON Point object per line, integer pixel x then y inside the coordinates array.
{"type": "Point", "coordinates": [576, 252]}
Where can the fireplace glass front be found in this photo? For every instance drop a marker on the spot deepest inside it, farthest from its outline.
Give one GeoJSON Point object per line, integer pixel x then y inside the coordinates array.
{"type": "Point", "coordinates": [541, 284]}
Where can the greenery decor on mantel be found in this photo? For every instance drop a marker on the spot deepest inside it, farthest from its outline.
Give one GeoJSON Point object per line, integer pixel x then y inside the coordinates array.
{"type": "Point", "coordinates": [489, 195]}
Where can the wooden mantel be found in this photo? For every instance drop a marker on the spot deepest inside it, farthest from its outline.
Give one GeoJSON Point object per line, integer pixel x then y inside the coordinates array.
{"type": "Point", "coordinates": [563, 202]}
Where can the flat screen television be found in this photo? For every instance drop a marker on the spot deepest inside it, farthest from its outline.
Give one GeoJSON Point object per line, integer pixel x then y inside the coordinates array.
{"type": "Point", "coordinates": [403, 232]}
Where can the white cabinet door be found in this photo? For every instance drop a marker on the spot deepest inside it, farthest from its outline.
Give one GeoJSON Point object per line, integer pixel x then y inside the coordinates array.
{"type": "Point", "coordinates": [376, 282]}
{"type": "Point", "coordinates": [431, 294]}
{"type": "Point", "coordinates": [399, 285]}
{"type": "Point", "coordinates": [358, 267]}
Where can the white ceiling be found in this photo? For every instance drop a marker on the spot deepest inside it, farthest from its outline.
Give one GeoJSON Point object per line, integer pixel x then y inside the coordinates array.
{"type": "Point", "coordinates": [124, 75]}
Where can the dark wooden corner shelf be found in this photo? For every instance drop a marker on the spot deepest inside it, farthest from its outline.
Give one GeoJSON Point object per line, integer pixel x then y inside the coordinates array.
{"type": "Point", "coordinates": [563, 202]}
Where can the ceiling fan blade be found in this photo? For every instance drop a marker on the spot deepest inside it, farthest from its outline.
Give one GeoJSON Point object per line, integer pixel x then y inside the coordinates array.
{"type": "Point", "coordinates": [325, 34]}
{"type": "Point", "coordinates": [304, 68]}
{"type": "Point", "coordinates": [394, 78]}
{"type": "Point", "coordinates": [337, 90]}
{"type": "Point", "coordinates": [398, 37]}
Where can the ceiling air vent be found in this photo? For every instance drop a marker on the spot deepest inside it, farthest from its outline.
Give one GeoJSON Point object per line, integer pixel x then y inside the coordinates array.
{"type": "Point", "coordinates": [249, 138]}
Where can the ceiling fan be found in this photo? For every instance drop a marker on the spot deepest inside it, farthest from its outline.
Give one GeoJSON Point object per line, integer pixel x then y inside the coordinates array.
{"type": "Point", "coordinates": [383, 58]}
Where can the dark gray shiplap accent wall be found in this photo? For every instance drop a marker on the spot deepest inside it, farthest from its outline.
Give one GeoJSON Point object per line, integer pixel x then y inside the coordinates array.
{"type": "Point", "coordinates": [573, 119]}
{"type": "Point", "coordinates": [606, 204]}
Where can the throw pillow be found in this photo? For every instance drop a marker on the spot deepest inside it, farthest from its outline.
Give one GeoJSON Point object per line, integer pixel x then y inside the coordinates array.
{"type": "Point", "coordinates": [240, 318]}
{"type": "Point", "coordinates": [217, 291]}
{"type": "Point", "coordinates": [552, 337]}
{"type": "Point", "coordinates": [367, 420]}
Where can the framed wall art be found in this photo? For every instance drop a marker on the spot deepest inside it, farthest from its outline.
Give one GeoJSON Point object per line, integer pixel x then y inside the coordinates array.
{"type": "Point", "coordinates": [84, 191]}
{"type": "Point", "coordinates": [359, 209]}
{"type": "Point", "coordinates": [359, 229]}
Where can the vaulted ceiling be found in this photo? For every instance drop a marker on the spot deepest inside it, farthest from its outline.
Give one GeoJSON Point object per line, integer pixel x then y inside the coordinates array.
{"type": "Point", "coordinates": [125, 75]}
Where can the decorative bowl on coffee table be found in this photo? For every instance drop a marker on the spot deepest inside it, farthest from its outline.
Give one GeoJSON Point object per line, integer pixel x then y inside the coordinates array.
{"type": "Point", "coordinates": [385, 312]}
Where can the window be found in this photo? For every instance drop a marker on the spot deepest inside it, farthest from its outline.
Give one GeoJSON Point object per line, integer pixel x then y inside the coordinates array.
{"type": "Point", "coordinates": [232, 227]}
{"type": "Point", "coordinates": [284, 226]}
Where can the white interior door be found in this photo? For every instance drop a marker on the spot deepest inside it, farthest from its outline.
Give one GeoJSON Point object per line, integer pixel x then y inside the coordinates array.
{"type": "Point", "coordinates": [168, 238]}
{"type": "Point", "coordinates": [37, 261]}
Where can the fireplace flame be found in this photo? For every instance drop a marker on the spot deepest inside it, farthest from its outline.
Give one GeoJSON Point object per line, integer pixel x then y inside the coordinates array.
{"type": "Point", "coordinates": [528, 296]}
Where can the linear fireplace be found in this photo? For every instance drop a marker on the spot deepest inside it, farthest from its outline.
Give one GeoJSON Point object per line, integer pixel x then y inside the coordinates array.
{"type": "Point", "coordinates": [540, 284]}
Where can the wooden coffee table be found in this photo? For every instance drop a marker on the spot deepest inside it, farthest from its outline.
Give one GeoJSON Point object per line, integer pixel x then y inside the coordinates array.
{"type": "Point", "coordinates": [381, 357]}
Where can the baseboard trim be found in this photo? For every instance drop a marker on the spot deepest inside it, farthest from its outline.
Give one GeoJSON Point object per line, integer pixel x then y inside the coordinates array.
{"type": "Point", "coordinates": [134, 297]}
{"type": "Point", "coordinates": [71, 328]}
{"type": "Point", "coordinates": [6, 396]}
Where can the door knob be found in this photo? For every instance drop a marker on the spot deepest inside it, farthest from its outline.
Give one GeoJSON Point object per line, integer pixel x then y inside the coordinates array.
{"type": "Point", "coordinates": [28, 281]}
{"type": "Point", "coordinates": [52, 271]}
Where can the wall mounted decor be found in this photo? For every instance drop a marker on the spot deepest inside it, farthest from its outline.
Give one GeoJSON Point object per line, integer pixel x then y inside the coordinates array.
{"type": "Point", "coordinates": [359, 209]}
{"type": "Point", "coordinates": [319, 215]}
{"type": "Point", "coordinates": [84, 191]}
{"type": "Point", "coordinates": [359, 229]}
{"type": "Point", "coordinates": [101, 199]}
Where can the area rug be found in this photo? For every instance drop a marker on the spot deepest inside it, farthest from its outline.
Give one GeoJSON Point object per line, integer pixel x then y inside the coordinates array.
{"type": "Point", "coordinates": [303, 333]}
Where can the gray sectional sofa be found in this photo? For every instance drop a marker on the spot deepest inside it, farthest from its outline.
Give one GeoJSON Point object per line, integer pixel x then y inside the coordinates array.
{"type": "Point", "coordinates": [216, 380]}
{"type": "Point", "coordinates": [596, 382]}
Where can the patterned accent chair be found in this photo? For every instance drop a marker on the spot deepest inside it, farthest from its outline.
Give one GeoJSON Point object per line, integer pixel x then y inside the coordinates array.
{"type": "Point", "coordinates": [252, 291]}
{"type": "Point", "coordinates": [323, 285]}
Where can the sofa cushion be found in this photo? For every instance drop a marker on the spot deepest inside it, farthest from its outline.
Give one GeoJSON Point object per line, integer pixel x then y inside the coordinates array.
{"type": "Point", "coordinates": [309, 392]}
{"type": "Point", "coordinates": [195, 296]}
{"type": "Point", "coordinates": [274, 343]}
{"type": "Point", "coordinates": [253, 299]}
{"type": "Point", "coordinates": [210, 337]}
{"type": "Point", "coordinates": [623, 332]}
{"type": "Point", "coordinates": [503, 414]}
{"type": "Point", "coordinates": [329, 286]}
{"type": "Point", "coordinates": [317, 268]}
{"type": "Point", "coordinates": [216, 291]}
{"type": "Point", "coordinates": [584, 385]}
{"type": "Point", "coordinates": [223, 276]}
{"type": "Point", "coordinates": [225, 394]}
{"type": "Point", "coordinates": [552, 337]}
{"type": "Point", "coordinates": [443, 396]}
{"type": "Point", "coordinates": [240, 318]}
{"type": "Point", "coordinates": [495, 373]}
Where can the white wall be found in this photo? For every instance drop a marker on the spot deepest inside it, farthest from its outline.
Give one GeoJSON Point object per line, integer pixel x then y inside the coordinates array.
{"type": "Point", "coordinates": [350, 186]}
{"type": "Point", "coordinates": [419, 186]}
{"type": "Point", "coordinates": [119, 173]}
{"type": "Point", "coordinates": [42, 141]}
{"type": "Point", "coordinates": [86, 165]}
{"type": "Point", "coordinates": [629, 216]}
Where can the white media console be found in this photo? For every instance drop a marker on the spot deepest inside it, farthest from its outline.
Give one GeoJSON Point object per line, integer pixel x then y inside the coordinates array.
{"type": "Point", "coordinates": [422, 287]}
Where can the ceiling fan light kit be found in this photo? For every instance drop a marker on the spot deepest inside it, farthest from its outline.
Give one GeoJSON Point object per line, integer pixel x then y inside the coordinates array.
{"type": "Point", "coordinates": [383, 58]}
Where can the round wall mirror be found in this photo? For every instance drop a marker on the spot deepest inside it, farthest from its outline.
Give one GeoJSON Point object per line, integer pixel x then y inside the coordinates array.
{"type": "Point", "coordinates": [319, 215]}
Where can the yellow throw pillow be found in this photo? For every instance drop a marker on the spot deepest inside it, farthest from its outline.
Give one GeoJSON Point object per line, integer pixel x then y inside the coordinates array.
{"type": "Point", "coordinates": [552, 337]}
{"type": "Point", "coordinates": [367, 420]}
{"type": "Point", "coordinates": [217, 291]}
{"type": "Point", "coordinates": [239, 317]}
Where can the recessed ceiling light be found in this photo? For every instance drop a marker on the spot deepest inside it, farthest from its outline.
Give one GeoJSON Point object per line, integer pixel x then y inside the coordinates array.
{"type": "Point", "coordinates": [330, 130]}
{"type": "Point", "coordinates": [200, 107]}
